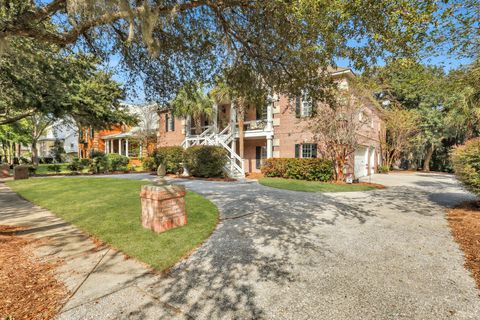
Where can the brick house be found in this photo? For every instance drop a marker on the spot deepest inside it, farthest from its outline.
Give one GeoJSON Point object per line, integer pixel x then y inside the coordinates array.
{"type": "Point", "coordinates": [279, 131]}
{"type": "Point", "coordinates": [121, 139]}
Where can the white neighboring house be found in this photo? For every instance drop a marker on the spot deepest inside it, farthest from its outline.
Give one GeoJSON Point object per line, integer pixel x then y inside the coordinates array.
{"type": "Point", "coordinates": [63, 131]}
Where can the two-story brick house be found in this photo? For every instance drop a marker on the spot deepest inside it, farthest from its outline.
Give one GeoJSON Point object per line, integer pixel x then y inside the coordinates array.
{"type": "Point", "coordinates": [280, 130]}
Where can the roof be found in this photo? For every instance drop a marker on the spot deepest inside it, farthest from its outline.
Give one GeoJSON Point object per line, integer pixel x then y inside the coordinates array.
{"type": "Point", "coordinates": [340, 70]}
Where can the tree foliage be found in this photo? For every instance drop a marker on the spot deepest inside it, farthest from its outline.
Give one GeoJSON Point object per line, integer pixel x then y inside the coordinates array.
{"type": "Point", "coordinates": [42, 79]}
{"type": "Point", "coordinates": [443, 105]}
{"type": "Point", "coordinates": [338, 137]}
{"type": "Point", "coordinates": [171, 43]}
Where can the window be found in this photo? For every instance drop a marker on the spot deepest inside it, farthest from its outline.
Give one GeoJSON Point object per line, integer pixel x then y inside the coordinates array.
{"type": "Point", "coordinates": [261, 113]}
{"type": "Point", "coordinates": [260, 154]}
{"type": "Point", "coordinates": [306, 150]}
{"type": "Point", "coordinates": [303, 106]}
{"type": "Point", "coordinates": [92, 133]}
{"type": "Point", "coordinates": [71, 145]}
{"type": "Point", "coordinates": [169, 122]}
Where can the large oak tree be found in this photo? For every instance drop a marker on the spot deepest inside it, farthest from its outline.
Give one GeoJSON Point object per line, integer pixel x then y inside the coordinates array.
{"type": "Point", "coordinates": [169, 43]}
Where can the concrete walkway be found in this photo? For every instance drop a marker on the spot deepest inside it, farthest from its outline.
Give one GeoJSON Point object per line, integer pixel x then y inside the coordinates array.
{"type": "Point", "coordinates": [277, 254]}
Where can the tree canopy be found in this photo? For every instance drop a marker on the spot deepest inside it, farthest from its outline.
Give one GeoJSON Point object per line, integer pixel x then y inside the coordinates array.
{"type": "Point", "coordinates": [42, 79]}
{"type": "Point", "coordinates": [171, 43]}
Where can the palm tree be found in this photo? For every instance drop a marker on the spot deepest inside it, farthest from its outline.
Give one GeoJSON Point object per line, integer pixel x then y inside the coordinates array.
{"type": "Point", "coordinates": [223, 92]}
{"type": "Point", "coordinates": [193, 101]}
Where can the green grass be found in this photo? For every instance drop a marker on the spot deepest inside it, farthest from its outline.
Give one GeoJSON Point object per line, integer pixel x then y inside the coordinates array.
{"type": "Point", "coordinates": [311, 186]}
{"type": "Point", "coordinates": [43, 169]}
{"type": "Point", "coordinates": [110, 210]}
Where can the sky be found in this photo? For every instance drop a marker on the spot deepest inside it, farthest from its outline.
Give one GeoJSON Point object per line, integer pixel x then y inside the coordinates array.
{"type": "Point", "coordinates": [445, 61]}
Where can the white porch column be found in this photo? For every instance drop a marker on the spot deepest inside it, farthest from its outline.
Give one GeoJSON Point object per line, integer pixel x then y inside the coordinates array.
{"type": "Point", "coordinates": [119, 146]}
{"type": "Point", "coordinates": [140, 155]}
{"type": "Point", "coordinates": [269, 127]}
{"type": "Point", "coordinates": [215, 118]}
{"type": "Point", "coordinates": [107, 146]}
{"type": "Point", "coordinates": [126, 147]}
{"type": "Point", "coordinates": [233, 124]}
{"type": "Point", "coordinates": [110, 143]}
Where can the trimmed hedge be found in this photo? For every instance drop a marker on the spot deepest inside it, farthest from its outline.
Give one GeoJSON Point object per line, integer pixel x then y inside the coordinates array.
{"type": "Point", "coordinates": [171, 157]}
{"type": "Point", "coordinates": [466, 164]}
{"type": "Point", "coordinates": [205, 161]}
{"type": "Point", "coordinates": [117, 162]}
{"type": "Point", "coordinates": [310, 169]}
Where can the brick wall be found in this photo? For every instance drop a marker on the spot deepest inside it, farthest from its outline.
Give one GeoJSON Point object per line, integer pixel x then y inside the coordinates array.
{"type": "Point", "coordinates": [170, 138]}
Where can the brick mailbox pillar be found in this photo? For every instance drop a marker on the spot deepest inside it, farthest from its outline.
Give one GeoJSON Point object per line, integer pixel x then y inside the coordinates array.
{"type": "Point", "coordinates": [163, 207]}
{"type": "Point", "coordinates": [4, 170]}
{"type": "Point", "coordinates": [20, 172]}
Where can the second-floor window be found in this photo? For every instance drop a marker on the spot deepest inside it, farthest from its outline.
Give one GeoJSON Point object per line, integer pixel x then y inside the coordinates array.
{"type": "Point", "coordinates": [303, 106]}
{"type": "Point", "coordinates": [169, 122]}
{"type": "Point", "coordinates": [306, 150]}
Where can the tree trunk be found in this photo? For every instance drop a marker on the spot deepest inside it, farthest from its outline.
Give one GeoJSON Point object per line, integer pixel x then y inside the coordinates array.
{"type": "Point", "coordinates": [241, 132]}
{"type": "Point", "coordinates": [428, 157]}
{"type": "Point", "coordinates": [34, 153]}
{"type": "Point", "coordinates": [339, 164]}
{"type": "Point", "coordinates": [198, 125]}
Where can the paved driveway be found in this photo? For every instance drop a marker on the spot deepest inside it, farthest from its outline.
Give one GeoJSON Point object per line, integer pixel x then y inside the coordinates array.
{"type": "Point", "coordinates": [385, 254]}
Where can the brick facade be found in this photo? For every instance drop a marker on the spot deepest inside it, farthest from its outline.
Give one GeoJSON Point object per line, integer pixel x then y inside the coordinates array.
{"type": "Point", "coordinates": [288, 130]}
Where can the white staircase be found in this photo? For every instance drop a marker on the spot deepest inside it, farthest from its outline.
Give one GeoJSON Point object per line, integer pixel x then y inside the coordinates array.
{"type": "Point", "coordinates": [224, 139]}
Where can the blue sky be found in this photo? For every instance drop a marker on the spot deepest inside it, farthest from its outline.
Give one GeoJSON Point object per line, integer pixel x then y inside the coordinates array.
{"type": "Point", "coordinates": [445, 61]}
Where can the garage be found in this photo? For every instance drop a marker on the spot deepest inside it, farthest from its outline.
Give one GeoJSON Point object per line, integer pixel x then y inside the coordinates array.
{"type": "Point", "coordinates": [361, 162]}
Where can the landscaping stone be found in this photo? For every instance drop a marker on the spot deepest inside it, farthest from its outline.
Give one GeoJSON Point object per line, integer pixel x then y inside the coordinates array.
{"type": "Point", "coordinates": [163, 207]}
{"type": "Point", "coordinates": [4, 170]}
{"type": "Point", "coordinates": [20, 172]}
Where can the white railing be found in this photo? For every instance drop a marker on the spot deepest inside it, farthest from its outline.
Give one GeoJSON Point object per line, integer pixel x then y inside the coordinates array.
{"type": "Point", "coordinates": [255, 125]}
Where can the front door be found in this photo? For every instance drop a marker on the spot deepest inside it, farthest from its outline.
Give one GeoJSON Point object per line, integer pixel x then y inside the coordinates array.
{"type": "Point", "coordinates": [260, 154]}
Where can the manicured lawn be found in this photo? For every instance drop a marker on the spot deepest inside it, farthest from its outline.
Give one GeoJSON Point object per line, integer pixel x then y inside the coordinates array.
{"type": "Point", "coordinates": [311, 186]}
{"type": "Point", "coordinates": [44, 169]}
{"type": "Point", "coordinates": [110, 210]}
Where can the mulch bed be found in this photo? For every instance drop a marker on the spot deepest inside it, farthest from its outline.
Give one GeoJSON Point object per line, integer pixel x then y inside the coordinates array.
{"type": "Point", "coordinates": [464, 221]}
{"type": "Point", "coordinates": [28, 287]}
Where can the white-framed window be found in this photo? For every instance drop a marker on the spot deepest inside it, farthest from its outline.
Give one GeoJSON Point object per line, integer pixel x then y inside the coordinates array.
{"type": "Point", "coordinates": [307, 106]}
{"type": "Point", "coordinates": [169, 122]}
{"type": "Point", "coordinates": [306, 150]}
{"type": "Point", "coordinates": [303, 106]}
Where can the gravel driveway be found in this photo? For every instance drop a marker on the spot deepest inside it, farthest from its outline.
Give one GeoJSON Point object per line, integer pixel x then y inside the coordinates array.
{"type": "Point", "coordinates": [277, 254]}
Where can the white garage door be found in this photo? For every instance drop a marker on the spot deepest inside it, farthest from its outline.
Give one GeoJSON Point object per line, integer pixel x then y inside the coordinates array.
{"type": "Point", "coordinates": [361, 162]}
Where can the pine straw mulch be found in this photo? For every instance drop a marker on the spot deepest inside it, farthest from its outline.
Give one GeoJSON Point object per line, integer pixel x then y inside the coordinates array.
{"type": "Point", "coordinates": [464, 221]}
{"type": "Point", "coordinates": [28, 287]}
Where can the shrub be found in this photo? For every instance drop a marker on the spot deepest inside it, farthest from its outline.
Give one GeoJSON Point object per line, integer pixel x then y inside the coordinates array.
{"type": "Point", "coordinates": [54, 168]}
{"type": "Point", "coordinates": [98, 162]}
{"type": "Point", "coordinates": [148, 163]}
{"type": "Point", "coordinates": [46, 160]}
{"type": "Point", "coordinates": [205, 161]}
{"type": "Point", "coordinates": [466, 164]}
{"type": "Point", "coordinates": [32, 170]}
{"type": "Point", "coordinates": [311, 169]}
{"type": "Point", "coordinates": [117, 162]}
{"type": "Point", "coordinates": [383, 169]}
{"type": "Point", "coordinates": [76, 165]}
{"type": "Point", "coordinates": [171, 157]}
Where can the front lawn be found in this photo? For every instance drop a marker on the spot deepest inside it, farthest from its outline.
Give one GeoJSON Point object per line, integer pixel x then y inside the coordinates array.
{"type": "Point", "coordinates": [312, 186]}
{"type": "Point", "coordinates": [110, 210]}
{"type": "Point", "coordinates": [45, 169]}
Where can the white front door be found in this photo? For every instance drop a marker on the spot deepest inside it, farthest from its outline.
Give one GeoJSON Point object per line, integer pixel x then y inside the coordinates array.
{"type": "Point", "coordinates": [361, 155]}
